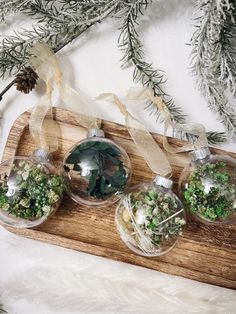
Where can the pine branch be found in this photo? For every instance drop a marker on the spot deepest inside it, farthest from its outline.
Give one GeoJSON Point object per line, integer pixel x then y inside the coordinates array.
{"type": "Point", "coordinates": [212, 137]}
{"type": "Point", "coordinates": [132, 49]}
{"type": "Point", "coordinates": [14, 49]}
{"type": "Point", "coordinates": [9, 7]}
{"type": "Point", "coordinates": [53, 13]}
{"type": "Point", "coordinates": [2, 311]}
{"type": "Point", "coordinates": [131, 46]}
{"type": "Point", "coordinates": [214, 57]}
{"type": "Point", "coordinates": [216, 137]}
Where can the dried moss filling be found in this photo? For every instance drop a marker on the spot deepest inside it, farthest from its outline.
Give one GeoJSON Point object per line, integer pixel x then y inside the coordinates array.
{"type": "Point", "coordinates": [36, 193]}
{"type": "Point", "coordinates": [157, 207]}
{"type": "Point", "coordinates": [216, 201]}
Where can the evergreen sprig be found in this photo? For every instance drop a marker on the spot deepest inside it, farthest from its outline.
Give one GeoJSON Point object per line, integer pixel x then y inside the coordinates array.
{"type": "Point", "coordinates": [216, 137]}
{"type": "Point", "coordinates": [144, 72]}
{"type": "Point", "coordinates": [214, 57]}
{"type": "Point", "coordinates": [54, 26]}
{"type": "Point", "coordinates": [14, 53]}
{"type": "Point", "coordinates": [133, 53]}
{"type": "Point", "coordinates": [2, 311]}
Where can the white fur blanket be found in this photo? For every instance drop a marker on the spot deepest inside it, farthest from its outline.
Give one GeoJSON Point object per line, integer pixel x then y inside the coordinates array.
{"type": "Point", "coordinates": [37, 278]}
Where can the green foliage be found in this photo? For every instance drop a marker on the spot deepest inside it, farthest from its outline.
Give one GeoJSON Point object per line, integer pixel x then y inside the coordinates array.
{"type": "Point", "coordinates": [133, 54]}
{"type": "Point", "coordinates": [214, 203]}
{"type": "Point", "coordinates": [214, 57]}
{"type": "Point", "coordinates": [56, 22]}
{"type": "Point", "coordinates": [158, 207]}
{"type": "Point", "coordinates": [36, 195]}
{"type": "Point", "coordinates": [131, 46]}
{"type": "Point", "coordinates": [104, 168]}
{"type": "Point", "coordinates": [216, 137]}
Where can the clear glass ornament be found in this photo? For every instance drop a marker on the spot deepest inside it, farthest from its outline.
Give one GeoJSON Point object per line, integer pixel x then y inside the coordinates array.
{"type": "Point", "coordinates": [150, 218]}
{"type": "Point", "coordinates": [97, 170]}
{"type": "Point", "coordinates": [31, 190]}
{"type": "Point", "coordinates": [207, 187]}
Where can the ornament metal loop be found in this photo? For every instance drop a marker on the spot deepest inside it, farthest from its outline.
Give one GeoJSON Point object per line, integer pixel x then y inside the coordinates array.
{"type": "Point", "coordinates": [161, 181]}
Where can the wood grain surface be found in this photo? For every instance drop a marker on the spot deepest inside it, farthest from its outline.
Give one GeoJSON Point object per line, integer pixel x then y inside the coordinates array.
{"type": "Point", "coordinates": [204, 253]}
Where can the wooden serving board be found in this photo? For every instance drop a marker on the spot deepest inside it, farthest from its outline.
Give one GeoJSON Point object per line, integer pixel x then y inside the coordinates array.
{"type": "Point", "coordinates": [205, 253]}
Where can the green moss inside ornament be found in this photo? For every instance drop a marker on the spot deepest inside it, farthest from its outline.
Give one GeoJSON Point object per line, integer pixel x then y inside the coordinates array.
{"type": "Point", "coordinates": [29, 191]}
{"type": "Point", "coordinates": [211, 192]}
{"type": "Point", "coordinates": [208, 187]}
{"type": "Point", "coordinates": [150, 219]}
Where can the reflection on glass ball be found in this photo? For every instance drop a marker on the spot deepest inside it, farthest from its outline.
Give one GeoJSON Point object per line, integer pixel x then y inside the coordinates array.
{"type": "Point", "coordinates": [208, 189]}
{"type": "Point", "coordinates": [30, 191]}
{"type": "Point", "coordinates": [98, 171]}
{"type": "Point", "coordinates": [150, 218]}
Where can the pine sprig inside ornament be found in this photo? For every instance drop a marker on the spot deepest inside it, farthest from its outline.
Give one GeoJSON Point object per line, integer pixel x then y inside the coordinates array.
{"type": "Point", "coordinates": [101, 155]}
{"type": "Point", "coordinates": [98, 170]}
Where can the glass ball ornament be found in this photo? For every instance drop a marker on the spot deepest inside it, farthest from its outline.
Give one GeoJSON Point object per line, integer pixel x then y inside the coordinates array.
{"type": "Point", "coordinates": [150, 218]}
{"type": "Point", "coordinates": [31, 190]}
{"type": "Point", "coordinates": [97, 170]}
{"type": "Point", "coordinates": [207, 187]}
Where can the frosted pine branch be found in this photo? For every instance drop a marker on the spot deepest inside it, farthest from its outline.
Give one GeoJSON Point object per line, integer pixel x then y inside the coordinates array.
{"type": "Point", "coordinates": [58, 29]}
{"type": "Point", "coordinates": [144, 72]}
{"type": "Point", "coordinates": [214, 57]}
{"type": "Point", "coordinates": [2, 311]}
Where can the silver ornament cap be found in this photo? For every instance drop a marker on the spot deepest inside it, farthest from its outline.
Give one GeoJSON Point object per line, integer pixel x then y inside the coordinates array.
{"type": "Point", "coordinates": [166, 183]}
{"type": "Point", "coordinates": [42, 153]}
{"type": "Point", "coordinates": [95, 133]}
{"type": "Point", "coordinates": [200, 154]}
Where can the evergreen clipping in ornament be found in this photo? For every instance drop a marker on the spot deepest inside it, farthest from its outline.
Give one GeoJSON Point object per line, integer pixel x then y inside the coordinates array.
{"type": "Point", "coordinates": [214, 57]}
{"type": "Point", "coordinates": [58, 23]}
{"type": "Point", "coordinates": [100, 164]}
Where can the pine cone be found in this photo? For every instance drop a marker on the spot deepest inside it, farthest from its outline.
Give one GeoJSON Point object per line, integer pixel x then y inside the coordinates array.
{"type": "Point", "coordinates": [26, 80]}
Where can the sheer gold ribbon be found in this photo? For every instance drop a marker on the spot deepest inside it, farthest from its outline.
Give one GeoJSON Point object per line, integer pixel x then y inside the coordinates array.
{"type": "Point", "coordinates": [45, 131]}
{"type": "Point", "coordinates": [196, 129]}
{"type": "Point", "coordinates": [143, 140]}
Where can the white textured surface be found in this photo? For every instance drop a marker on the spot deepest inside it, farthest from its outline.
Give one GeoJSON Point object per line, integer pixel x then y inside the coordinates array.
{"type": "Point", "coordinates": [42, 279]}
